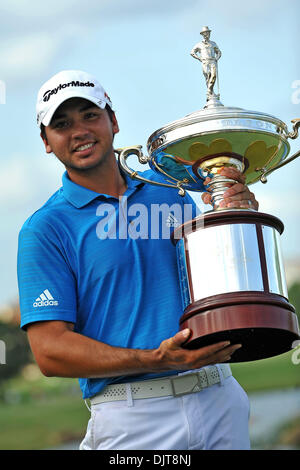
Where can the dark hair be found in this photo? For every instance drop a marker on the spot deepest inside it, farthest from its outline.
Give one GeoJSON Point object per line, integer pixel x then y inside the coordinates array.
{"type": "Point", "coordinates": [43, 131]}
{"type": "Point", "coordinates": [110, 112]}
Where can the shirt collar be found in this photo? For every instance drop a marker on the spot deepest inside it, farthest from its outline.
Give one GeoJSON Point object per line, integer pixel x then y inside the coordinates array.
{"type": "Point", "coordinates": [79, 196]}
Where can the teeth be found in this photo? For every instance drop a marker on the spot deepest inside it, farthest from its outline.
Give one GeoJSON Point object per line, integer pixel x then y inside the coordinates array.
{"type": "Point", "coordinates": [84, 147]}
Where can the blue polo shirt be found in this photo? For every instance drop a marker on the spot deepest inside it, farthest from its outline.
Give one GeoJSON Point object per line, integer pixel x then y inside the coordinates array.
{"type": "Point", "coordinates": [105, 264]}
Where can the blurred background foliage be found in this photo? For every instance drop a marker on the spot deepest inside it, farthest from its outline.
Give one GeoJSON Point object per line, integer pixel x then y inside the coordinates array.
{"type": "Point", "coordinates": [17, 351]}
{"type": "Point", "coordinates": [294, 297]}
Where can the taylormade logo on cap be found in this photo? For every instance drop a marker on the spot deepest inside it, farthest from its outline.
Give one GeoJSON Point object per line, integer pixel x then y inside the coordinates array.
{"type": "Point", "coordinates": [61, 86]}
{"type": "Point", "coordinates": [65, 85]}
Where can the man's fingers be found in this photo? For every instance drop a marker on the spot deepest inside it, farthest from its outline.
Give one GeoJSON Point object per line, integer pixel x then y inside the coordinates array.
{"type": "Point", "coordinates": [206, 198]}
{"type": "Point", "coordinates": [236, 190]}
{"type": "Point", "coordinates": [181, 337]}
{"type": "Point", "coordinates": [233, 173]}
{"type": "Point", "coordinates": [222, 349]}
{"type": "Point", "coordinates": [206, 351]}
{"type": "Point", "coordinates": [173, 355]}
{"type": "Point", "coordinates": [226, 353]}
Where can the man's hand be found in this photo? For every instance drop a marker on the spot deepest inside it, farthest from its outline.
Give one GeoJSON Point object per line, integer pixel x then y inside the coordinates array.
{"type": "Point", "coordinates": [171, 354]}
{"type": "Point", "coordinates": [237, 195]}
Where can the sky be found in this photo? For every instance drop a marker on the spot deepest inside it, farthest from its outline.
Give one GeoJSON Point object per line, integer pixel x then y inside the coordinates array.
{"type": "Point", "coordinates": [140, 52]}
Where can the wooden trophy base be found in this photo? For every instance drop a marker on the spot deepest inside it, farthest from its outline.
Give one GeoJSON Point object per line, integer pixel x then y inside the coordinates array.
{"type": "Point", "coordinates": [230, 317]}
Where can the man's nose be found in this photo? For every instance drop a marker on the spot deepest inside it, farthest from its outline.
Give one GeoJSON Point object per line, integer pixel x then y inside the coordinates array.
{"type": "Point", "coordinates": [80, 130]}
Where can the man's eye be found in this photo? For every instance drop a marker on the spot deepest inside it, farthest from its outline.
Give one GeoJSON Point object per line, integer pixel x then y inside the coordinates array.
{"type": "Point", "coordinates": [60, 124]}
{"type": "Point", "coordinates": [91, 115]}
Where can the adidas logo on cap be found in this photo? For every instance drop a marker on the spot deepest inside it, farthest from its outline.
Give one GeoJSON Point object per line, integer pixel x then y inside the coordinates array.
{"type": "Point", "coordinates": [45, 300]}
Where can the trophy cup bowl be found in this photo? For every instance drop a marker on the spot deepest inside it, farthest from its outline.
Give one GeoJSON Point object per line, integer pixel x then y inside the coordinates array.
{"type": "Point", "coordinates": [230, 266]}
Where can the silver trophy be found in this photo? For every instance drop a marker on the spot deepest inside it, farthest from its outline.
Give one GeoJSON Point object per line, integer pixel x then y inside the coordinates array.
{"type": "Point", "coordinates": [241, 294]}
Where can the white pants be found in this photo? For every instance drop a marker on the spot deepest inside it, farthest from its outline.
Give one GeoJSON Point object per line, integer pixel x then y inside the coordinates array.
{"type": "Point", "coordinates": [214, 418]}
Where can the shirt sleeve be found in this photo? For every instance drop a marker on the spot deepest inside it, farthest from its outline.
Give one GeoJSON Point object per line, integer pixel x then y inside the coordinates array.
{"type": "Point", "coordinates": [47, 286]}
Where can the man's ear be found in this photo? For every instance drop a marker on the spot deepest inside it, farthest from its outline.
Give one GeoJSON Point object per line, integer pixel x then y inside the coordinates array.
{"type": "Point", "coordinates": [115, 125]}
{"type": "Point", "coordinates": [46, 144]}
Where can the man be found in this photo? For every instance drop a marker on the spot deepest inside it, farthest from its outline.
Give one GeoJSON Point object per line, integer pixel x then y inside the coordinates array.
{"type": "Point", "coordinates": [105, 309]}
{"type": "Point", "coordinates": [208, 53]}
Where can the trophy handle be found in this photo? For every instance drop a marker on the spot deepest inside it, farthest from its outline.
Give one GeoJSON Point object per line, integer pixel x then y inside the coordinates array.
{"type": "Point", "coordinates": [124, 153]}
{"type": "Point", "coordinates": [290, 135]}
{"type": "Point", "coordinates": [294, 133]}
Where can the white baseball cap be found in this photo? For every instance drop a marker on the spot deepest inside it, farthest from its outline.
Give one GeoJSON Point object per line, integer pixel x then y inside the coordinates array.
{"type": "Point", "coordinates": [65, 85]}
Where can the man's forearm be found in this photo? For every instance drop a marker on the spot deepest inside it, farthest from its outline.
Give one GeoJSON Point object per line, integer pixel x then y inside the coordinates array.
{"type": "Point", "coordinates": [75, 355]}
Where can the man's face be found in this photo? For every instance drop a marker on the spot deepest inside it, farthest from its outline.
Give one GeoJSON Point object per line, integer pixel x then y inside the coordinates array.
{"type": "Point", "coordinates": [206, 35]}
{"type": "Point", "coordinates": [81, 134]}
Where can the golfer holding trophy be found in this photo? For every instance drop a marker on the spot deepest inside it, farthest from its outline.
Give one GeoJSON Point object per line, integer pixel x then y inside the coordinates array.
{"type": "Point", "coordinates": [106, 309]}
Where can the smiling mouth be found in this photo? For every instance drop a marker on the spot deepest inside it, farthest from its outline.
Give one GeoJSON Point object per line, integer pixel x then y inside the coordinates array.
{"type": "Point", "coordinates": [84, 147]}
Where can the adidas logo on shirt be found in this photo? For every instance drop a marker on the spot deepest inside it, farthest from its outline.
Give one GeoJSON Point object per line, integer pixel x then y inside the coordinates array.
{"type": "Point", "coordinates": [45, 300]}
{"type": "Point", "coordinates": [172, 221]}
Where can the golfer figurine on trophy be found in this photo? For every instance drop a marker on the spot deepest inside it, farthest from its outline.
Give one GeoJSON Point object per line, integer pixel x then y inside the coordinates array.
{"type": "Point", "coordinates": [208, 53]}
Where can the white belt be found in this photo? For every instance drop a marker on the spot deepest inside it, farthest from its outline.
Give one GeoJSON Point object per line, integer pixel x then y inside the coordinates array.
{"type": "Point", "coordinates": [167, 386]}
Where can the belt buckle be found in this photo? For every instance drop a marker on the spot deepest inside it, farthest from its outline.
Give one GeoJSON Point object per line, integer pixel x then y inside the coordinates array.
{"type": "Point", "coordinates": [197, 387]}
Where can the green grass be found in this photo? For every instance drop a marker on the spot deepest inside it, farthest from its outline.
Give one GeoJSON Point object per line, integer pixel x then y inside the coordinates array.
{"type": "Point", "coordinates": [42, 424]}
{"type": "Point", "coordinates": [267, 374]}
